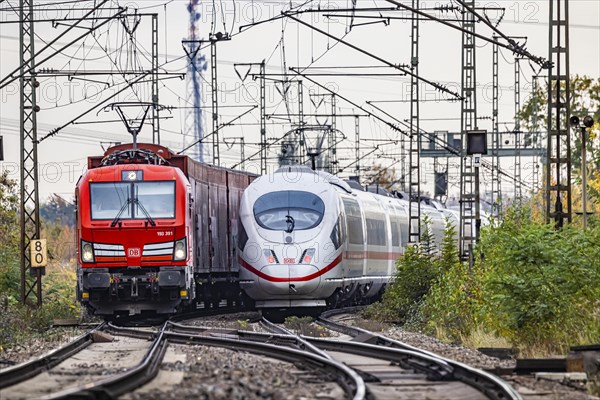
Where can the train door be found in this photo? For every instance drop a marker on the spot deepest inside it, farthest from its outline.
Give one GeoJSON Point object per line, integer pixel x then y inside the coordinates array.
{"type": "Point", "coordinates": [219, 225]}
{"type": "Point", "coordinates": [203, 242]}
{"type": "Point", "coordinates": [389, 211]}
{"type": "Point", "coordinates": [355, 250]}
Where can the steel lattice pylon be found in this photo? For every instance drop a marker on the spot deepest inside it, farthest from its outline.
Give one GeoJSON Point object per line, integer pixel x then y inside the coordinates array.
{"type": "Point", "coordinates": [29, 210]}
{"type": "Point", "coordinates": [496, 181]}
{"type": "Point", "coordinates": [214, 102]}
{"type": "Point", "coordinates": [300, 132]}
{"type": "Point", "coordinates": [517, 131]}
{"type": "Point", "coordinates": [332, 148]}
{"type": "Point", "coordinates": [414, 174]}
{"type": "Point", "coordinates": [468, 123]}
{"type": "Point", "coordinates": [357, 145]}
{"type": "Point", "coordinates": [156, 108]}
{"type": "Point", "coordinates": [558, 169]}
{"type": "Point", "coordinates": [263, 120]}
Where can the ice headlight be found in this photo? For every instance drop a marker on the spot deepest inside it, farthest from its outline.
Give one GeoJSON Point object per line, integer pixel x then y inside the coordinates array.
{"type": "Point", "coordinates": [180, 252]}
{"type": "Point", "coordinates": [87, 252]}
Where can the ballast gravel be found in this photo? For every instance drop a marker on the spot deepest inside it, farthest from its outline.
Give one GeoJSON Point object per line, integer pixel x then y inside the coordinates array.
{"type": "Point", "coordinates": [34, 347]}
{"type": "Point", "coordinates": [223, 374]}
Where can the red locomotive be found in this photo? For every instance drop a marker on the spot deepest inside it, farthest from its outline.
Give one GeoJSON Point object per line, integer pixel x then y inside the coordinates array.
{"type": "Point", "coordinates": [157, 232]}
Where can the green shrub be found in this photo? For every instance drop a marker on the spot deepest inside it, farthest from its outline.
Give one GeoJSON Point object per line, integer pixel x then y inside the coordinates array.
{"type": "Point", "coordinates": [415, 272]}
{"type": "Point", "coordinates": [533, 285]}
{"type": "Point", "coordinates": [451, 300]}
{"type": "Point", "coordinates": [541, 284]}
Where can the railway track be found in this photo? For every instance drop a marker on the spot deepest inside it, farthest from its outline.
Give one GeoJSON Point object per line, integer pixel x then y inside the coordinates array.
{"type": "Point", "coordinates": [363, 364]}
{"type": "Point", "coordinates": [389, 369]}
{"type": "Point", "coordinates": [364, 343]}
{"type": "Point", "coordinates": [284, 347]}
{"type": "Point", "coordinates": [86, 369]}
{"type": "Point", "coordinates": [18, 373]}
{"type": "Point", "coordinates": [103, 363]}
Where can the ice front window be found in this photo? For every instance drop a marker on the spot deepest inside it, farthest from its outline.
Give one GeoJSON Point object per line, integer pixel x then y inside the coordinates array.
{"type": "Point", "coordinates": [289, 210]}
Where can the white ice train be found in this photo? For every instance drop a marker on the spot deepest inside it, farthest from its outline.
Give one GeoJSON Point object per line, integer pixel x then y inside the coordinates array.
{"type": "Point", "coordinates": [308, 239]}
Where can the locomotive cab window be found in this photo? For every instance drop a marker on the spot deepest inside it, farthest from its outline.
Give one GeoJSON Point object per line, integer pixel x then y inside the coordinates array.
{"type": "Point", "coordinates": [136, 200]}
{"type": "Point", "coordinates": [158, 198]}
{"type": "Point", "coordinates": [108, 199]}
{"type": "Point", "coordinates": [289, 210]}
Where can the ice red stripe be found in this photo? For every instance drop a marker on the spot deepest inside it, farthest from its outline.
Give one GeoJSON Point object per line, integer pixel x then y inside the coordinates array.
{"type": "Point", "coordinates": [294, 279]}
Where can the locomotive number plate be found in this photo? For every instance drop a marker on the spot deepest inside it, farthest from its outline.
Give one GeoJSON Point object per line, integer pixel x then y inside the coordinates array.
{"type": "Point", "coordinates": [133, 252]}
{"type": "Point", "coordinates": [289, 260]}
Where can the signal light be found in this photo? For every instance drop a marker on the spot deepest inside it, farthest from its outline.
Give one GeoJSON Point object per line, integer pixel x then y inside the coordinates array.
{"type": "Point", "coordinates": [476, 142]}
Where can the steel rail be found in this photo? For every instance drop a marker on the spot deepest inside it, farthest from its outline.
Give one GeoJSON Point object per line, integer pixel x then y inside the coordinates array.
{"type": "Point", "coordinates": [256, 343]}
{"type": "Point", "coordinates": [115, 386]}
{"type": "Point", "coordinates": [21, 372]}
{"type": "Point", "coordinates": [280, 336]}
{"type": "Point", "coordinates": [301, 342]}
{"type": "Point", "coordinates": [487, 383]}
{"type": "Point", "coordinates": [435, 368]}
{"type": "Point", "coordinates": [429, 365]}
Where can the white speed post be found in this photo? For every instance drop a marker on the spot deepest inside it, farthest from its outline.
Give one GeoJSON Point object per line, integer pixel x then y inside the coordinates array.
{"type": "Point", "coordinates": [39, 253]}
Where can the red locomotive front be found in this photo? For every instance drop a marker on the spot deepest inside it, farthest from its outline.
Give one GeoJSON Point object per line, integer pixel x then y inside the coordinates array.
{"type": "Point", "coordinates": [134, 233]}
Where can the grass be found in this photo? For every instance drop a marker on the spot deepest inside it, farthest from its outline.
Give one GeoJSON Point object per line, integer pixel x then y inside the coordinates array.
{"type": "Point", "coordinates": [305, 326]}
{"type": "Point", "coordinates": [478, 337]}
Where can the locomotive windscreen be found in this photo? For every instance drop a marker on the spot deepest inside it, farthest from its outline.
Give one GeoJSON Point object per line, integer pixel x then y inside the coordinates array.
{"type": "Point", "coordinates": [289, 210]}
{"type": "Point", "coordinates": [131, 200]}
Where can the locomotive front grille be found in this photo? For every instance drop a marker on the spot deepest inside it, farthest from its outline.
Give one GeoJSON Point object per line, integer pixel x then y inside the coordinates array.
{"type": "Point", "coordinates": [109, 252]}
{"type": "Point", "coordinates": [158, 249]}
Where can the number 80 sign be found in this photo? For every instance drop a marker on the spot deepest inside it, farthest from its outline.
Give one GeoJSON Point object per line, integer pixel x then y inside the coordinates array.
{"type": "Point", "coordinates": [39, 253]}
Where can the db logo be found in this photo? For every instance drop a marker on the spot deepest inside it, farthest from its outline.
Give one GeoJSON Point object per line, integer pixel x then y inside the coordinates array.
{"type": "Point", "coordinates": [289, 260]}
{"type": "Point", "coordinates": [133, 252]}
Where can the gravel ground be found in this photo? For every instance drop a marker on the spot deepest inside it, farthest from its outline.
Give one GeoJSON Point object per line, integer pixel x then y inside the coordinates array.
{"type": "Point", "coordinates": [238, 321]}
{"type": "Point", "coordinates": [532, 388]}
{"type": "Point", "coordinates": [35, 347]}
{"type": "Point", "coordinates": [222, 374]}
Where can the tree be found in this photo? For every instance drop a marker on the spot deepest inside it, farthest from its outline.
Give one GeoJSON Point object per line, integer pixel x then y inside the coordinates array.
{"type": "Point", "coordinates": [58, 210]}
{"type": "Point", "coordinates": [585, 100]}
{"type": "Point", "coordinates": [383, 176]}
{"type": "Point", "coordinates": [9, 245]}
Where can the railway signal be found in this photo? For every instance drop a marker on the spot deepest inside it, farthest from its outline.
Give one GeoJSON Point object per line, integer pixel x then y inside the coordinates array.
{"type": "Point", "coordinates": [588, 122]}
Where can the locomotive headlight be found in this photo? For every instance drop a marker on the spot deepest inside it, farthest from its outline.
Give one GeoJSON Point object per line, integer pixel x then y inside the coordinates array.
{"type": "Point", "coordinates": [180, 250]}
{"type": "Point", "coordinates": [87, 252]}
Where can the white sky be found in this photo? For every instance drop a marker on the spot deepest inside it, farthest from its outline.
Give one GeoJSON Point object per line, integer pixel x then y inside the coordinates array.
{"type": "Point", "coordinates": [63, 157]}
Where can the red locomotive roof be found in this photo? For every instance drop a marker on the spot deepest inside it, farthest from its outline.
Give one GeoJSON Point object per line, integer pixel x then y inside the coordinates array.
{"type": "Point", "coordinates": [162, 153]}
{"type": "Point", "coordinates": [155, 148]}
